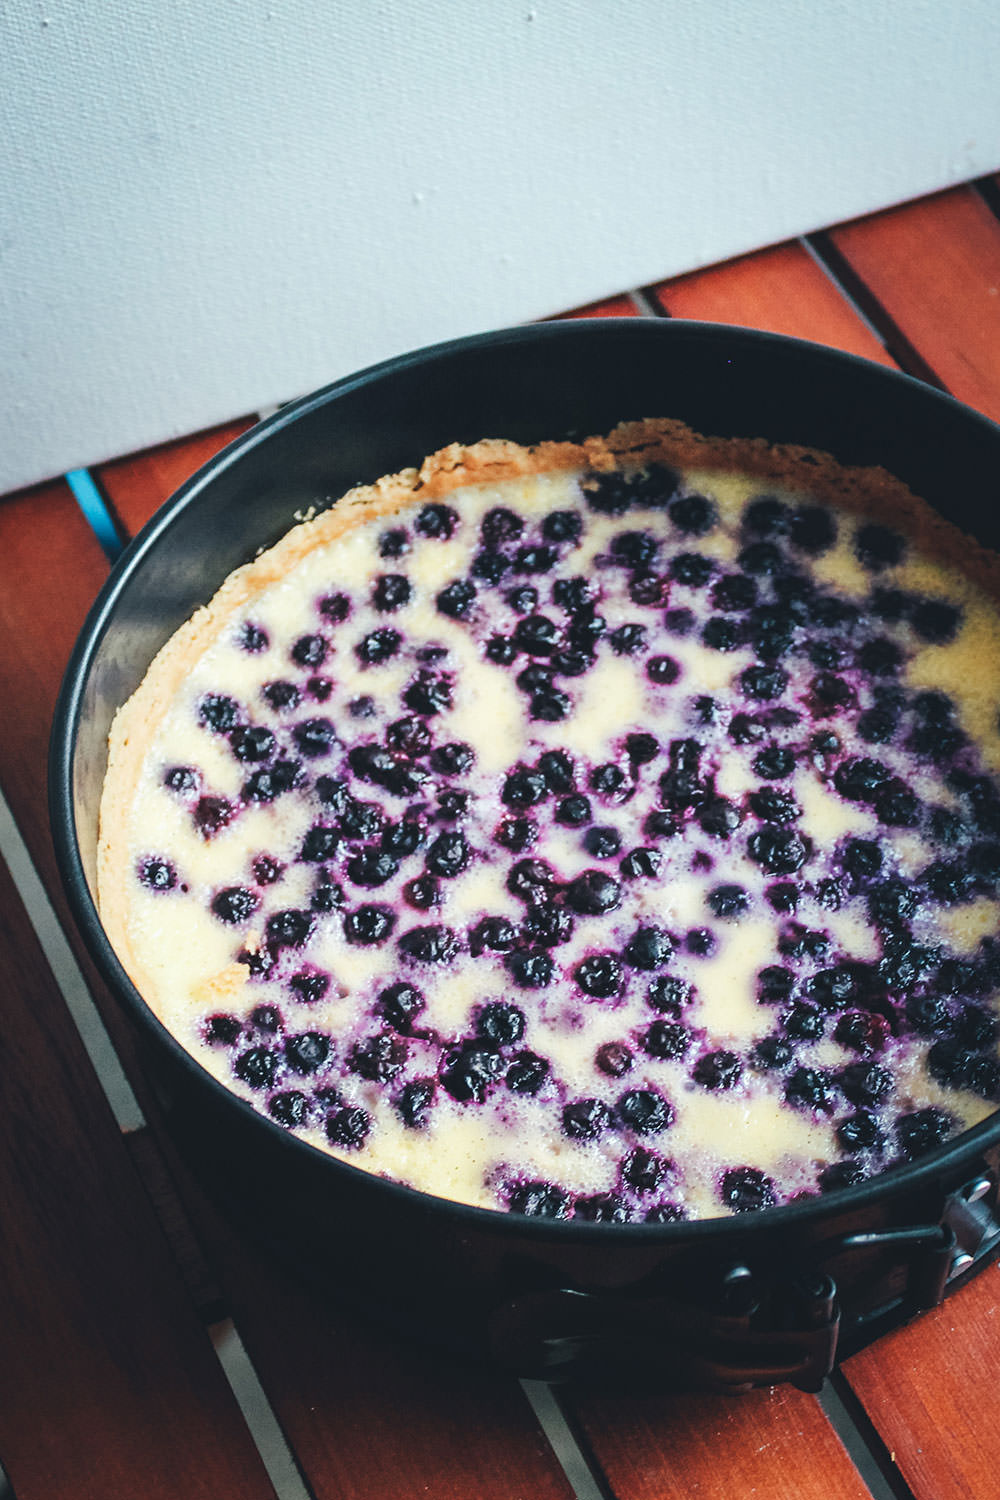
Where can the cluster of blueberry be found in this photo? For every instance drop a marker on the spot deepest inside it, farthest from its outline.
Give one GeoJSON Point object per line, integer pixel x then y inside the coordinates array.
{"type": "Point", "coordinates": [822, 690]}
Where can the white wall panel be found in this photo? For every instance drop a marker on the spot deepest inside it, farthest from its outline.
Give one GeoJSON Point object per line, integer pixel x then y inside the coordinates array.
{"type": "Point", "coordinates": [208, 206]}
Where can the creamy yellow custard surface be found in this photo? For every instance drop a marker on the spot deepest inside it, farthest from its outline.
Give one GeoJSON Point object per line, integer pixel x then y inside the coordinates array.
{"type": "Point", "coordinates": [606, 832]}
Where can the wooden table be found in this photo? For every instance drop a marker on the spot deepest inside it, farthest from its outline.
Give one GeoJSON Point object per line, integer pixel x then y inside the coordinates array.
{"type": "Point", "coordinates": [146, 1351]}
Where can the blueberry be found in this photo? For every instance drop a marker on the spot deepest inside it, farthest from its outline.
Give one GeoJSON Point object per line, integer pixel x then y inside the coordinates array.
{"type": "Point", "coordinates": [976, 1027]}
{"type": "Point", "coordinates": [599, 975]}
{"type": "Point", "coordinates": [735, 592]}
{"type": "Point", "coordinates": [678, 622]}
{"type": "Point", "coordinates": [782, 896]}
{"type": "Point", "coordinates": [546, 925]}
{"type": "Point", "coordinates": [835, 987]}
{"type": "Point", "coordinates": [386, 768]}
{"type": "Point", "coordinates": [694, 515]}
{"type": "Point", "coordinates": [523, 599]}
{"type": "Point", "coordinates": [804, 1022]}
{"type": "Point", "coordinates": [516, 834]}
{"type": "Point", "coordinates": [662, 670]}
{"type": "Point", "coordinates": [772, 629]}
{"type": "Point", "coordinates": [456, 599]}
{"type": "Point", "coordinates": [840, 1175]}
{"type": "Point", "coordinates": [222, 1030]}
{"type": "Point", "coordinates": [779, 851]}
{"type": "Point", "coordinates": [332, 792]}
{"type": "Point", "coordinates": [307, 1051]}
{"type": "Point", "coordinates": [866, 1083]}
{"type": "Point", "coordinates": [766, 516]}
{"type": "Point", "coordinates": [159, 875]}
{"type": "Point", "coordinates": [859, 778]}
{"type": "Point", "coordinates": [524, 788]}
{"type": "Point", "coordinates": [348, 1127]}
{"type": "Point", "coordinates": [880, 657]}
{"type": "Point", "coordinates": [289, 1108]}
{"type": "Point", "coordinates": [410, 735]}
{"type": "Point", "coordinates": [572, 594]}
{"type": "Point", "coordinates": [499, 934]}
{"type": "Point", "coordinates": [728, 901]}
{"type": "Point", "coordinates": [613, 1059]}
{"type": "Point", "coordinates": [181, 779]}
{"type": "Point", "coordinates": [573, 811]}
{"type": "Point", "coordinates": [877, 725]}
{"type": "Point", "coordinates": [436, 521]}
{"type": "Point", "coordinates": [390, 592]}
{"type": "Point", "coordinates": [811, 1088]}
{"type": "Point", "coordinates": [772, 1052]}
{"type": "Point", "coordinates": [500, 650]}
{"type": "Point", "coordinates": [500, 1023]}
{"type": "Point", "coordinates": [603, 843]}
{"type": "Point", "coordinates": [335, 607]}
{"type": "Point", "coordinates": [328, 896]}
{"type": "Point", "coordinates": [531, 880]}
{"type": "Point", "coordinates": [562, 526]}
{"type": "Point", "coordinates": [603, 1208]}
{"type": "Point", "coordinates": [489, 566]}
{"type": "Point", "coordinates": [368, 925]}
{"type": "Point", "coordinates": [774, 806]}
{"type": "Point", "coordinates": [762, 682]}
{"type": "Point", "coordinates": [585, 1119]}
{"type": "Point", "coordinates": [661, 825]}
{"type": "Point", "coordinates": [691, 568]}
{"type": "Point", "coordinates": [448, 855]}
{"type": "Point", "coordinates": [536, 634]}
{"type": "Point", "coordinates": [469, 1073]}
{"type": "Point", "coordinates": [272, 781]}
{"type": "Point", "coordinates": [309, 987]}
{"type": "Point", "coordinates": [531, 969]}
{"type": "Point", "coordinates": [378, 1058]}
{"type": "Point", "coordinates": [235, 904]}
{"type": "Point", "coordinates": [539, 1200]}
{"type": "Point", "coordinates": [829, 693]}
{"type": "Point", "coordinates": [429, 945]}
{"type": "Point", "coordinates": [896, 805]}
{"type": "Point", "coordinates": [258, 1067]}
{"type": "Point", "coordinates": [641, 864]}
{"type": "Point", "coordinates": [761, 559]}
{"type": "Point", "coordinates": [218, 713]}
{"type": "Point", "coordinates": [527, 1073]}
{"type": "Point", "coordinates": [721, 634]}
{"type": "Point", "coordinates": [797, 941]}
{"type": "Point", "coordinates": [877, 547]}
{"type": "Point", "coordinates": [394, 543]}
{"type": "Point", "coordinates": [549, 706]}
{"type": "Point", "coordinates": [812, 529]}
{"type": "Point", "coordinates": [252, 742]}
{"type": "Point", "coordinates": [775, 762]}
{"type": "Point", "coordinates": [667, 994]}
{"type": "Point", "coordinates": [862, 1031]}
{"type": "Point", "coordinates": [570, 663]}
{"type": "Point", "coordinates": [378, 646]}
{"type": "Point", "coordinates": [371, 868]}
{"type": "Point", "coordinates": [644, 1170]}
{"type": "Point", "coordinates": [774, 985]}
{"type": "Point", "coordinates": [267, 1018]}
{"type": "Point", "coordinates": [746, 1190]}
{"type": "Point", "coordinates": [644, 1111]}
{"type": "Point", "coordinates": [413, 1102]}
{"type": "Point", "coordinates": [699, 942]}
{"type": "Point", "coordinates": [253, 638]}
{"type": "Point", "coordinates": [309, 651]}
{"type": "Point", "coordinates": [935, 621]}
{"type": "Point", "coordinates": [922, 1130]}
{"type": "Point", "coordinates": [400, 1004]}
{"type": "Point", "coordinates": [948, 881]}
{"type": "Point", "coordinates": [557, 769]}
{"type": "Point", "coordinates": [593, 893]}
{"type": "Point", "coordinates": [627, 640]}
{"type": "Point", "coordinates": [719, 817]}
{"type": "Point", "coordinates": [718, 1070]}
{"type": "Point", "coordinates": [636, 549]}
{"type": "Point", "coordinates": [666, 1039]}
{"type": "Point", "coordinates": [744, 730]}
{"type": "Point", "coordinates": [665, 1213]}
{"type": "Point", "coordinates": [648, 948]}
{"type": "Point", "coordinates": [361, 820]}
{"type": "Point", "coordinates": [500, 525]}
{"type": "Point", "coordinates": [314, 737]}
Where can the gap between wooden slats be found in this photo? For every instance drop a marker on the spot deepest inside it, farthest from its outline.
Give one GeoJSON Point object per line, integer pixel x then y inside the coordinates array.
{"type": "Point", "coordinates": [932, 270]}
{"type": "Point", "coordinates": [103, 1359]}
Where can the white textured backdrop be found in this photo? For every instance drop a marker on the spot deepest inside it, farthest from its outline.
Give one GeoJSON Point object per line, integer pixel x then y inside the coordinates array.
{"type": "Point", "coordinates": [207, 206]}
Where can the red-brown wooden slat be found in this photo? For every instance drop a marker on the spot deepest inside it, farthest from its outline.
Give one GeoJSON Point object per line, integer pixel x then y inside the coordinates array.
{"type": "Point", "coordinates": [160, 471]}
{"type": "Point", "coordinates": [932, 1391]}
{"type": "Point", "coordinates": [934, 267]}
{"type": "Point", "coordinates": [782, 290]}
{"type": "Point", "coordinates": [610, 307]}
{"type": "Point", "coordinates": [366, 1417]}
{"type": "Point", "coordinates": [775, 1443]}
{"type": "Point", "coordinates": [108, 1383]}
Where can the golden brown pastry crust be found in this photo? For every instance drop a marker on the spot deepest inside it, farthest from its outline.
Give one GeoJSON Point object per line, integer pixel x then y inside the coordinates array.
{"type": "Point", "coordinates": [872, 492]}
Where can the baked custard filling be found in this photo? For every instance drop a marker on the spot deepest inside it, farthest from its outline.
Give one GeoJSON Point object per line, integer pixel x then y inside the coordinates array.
{"type": "Point", "coordinates": [604, 830]}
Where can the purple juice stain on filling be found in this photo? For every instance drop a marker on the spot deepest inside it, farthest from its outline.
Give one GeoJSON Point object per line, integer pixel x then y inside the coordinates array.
{"type": "Point", "coordinates": [818, 692]}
